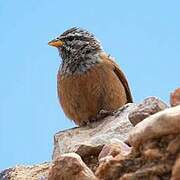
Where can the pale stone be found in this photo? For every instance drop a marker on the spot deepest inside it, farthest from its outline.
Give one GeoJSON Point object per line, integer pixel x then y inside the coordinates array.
{"type": "Point", "coordinates": [35, 172]}
{"type": "Point", "coordinates": [176, 170]}
{"type": "Point", "coordinates": [147, 107]}
{"type": "Point", "coordinates": [70, 167]}
{"type": "Point", "coordinates": [162, 123]}
{"type": "Point", "coordinates": [174, 145]}
{"type": "Point", "coordinates": [114, 149]}
{"type": "Point", "coordinates": [86, 140]}
{"type": "Point", "coordinates": [175, 97]}
{"type": "Point", "coordinates": [102, 149]}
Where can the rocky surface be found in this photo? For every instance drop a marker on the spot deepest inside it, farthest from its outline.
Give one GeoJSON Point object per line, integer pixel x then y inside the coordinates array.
{"type": "Point", "coordinates": [155, 150]}
{"type": "Point", "coordinates": [113, 149]}
{"type": "Point", "coordinates": [148, 107]}
{"type": "Point", "coordinates": [36, 172]}
{"type": "Point", "coordinates": [89, 140]}
{"type": "Point", "coordinates": [71, 167]}
{"type": "Point", "coordinates": [162, 123]}
{"type": "Point", "coordinates": [139, 141]}
{"type": "Point", "coordinates": [175, 97]}
{"type": "Point", "coordinates": [176, 169]}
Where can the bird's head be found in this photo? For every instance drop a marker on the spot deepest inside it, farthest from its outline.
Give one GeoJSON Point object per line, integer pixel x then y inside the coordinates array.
{"type": "Point", "coordinates": [76, 42]}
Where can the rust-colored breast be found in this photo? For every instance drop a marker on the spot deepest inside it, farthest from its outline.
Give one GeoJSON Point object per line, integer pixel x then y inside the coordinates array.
{"type": "Point", "coordinates": [82, 96]}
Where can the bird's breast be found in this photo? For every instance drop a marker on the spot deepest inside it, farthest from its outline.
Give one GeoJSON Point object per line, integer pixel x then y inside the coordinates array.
{"type": "Point", "coordinates": [83, 95]}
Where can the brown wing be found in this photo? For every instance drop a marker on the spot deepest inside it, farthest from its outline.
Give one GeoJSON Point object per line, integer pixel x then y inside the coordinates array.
{"type": "Point", "coordinates": [120, 75]}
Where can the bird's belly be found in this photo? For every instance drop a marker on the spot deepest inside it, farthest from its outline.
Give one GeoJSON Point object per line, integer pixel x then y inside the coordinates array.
{"type": "Point", "coordinates": [82, 96]}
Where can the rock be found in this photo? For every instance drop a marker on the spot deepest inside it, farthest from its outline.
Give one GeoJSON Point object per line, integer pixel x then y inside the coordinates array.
{"type": "Point", "coordinates": [89, 140]}
{"type": "Point", "coordinates": [131, 176]}
{"type": "Point", "coordinates": [162, 123]}
{"type": "Point", "coordinates": [148, 107]}
{"type": "Point", "coordinates": [148, 173]}
{"type": "Point", "coordinates": [155, 145]}
{"type": "Point", "coordinates": [150, 161]}
{"type": "Point", "coordinates": [152, 154]}
{"type": "Point", "coordinates": [39, 172]}
{"type": "Point", "coordinates": [175, 97]}
{"type": "Point", "coordinates": [174, 145]}
{"type": "Point", "coordinates": [114, 149]}
{"type": "Point", "coordinates": [70, 167]}
{"type": "Point", "coordinates": [99, 151]}
{"type": "Point", "coordinates": [176, 170]}
{"type": "Point", "coordinates": [5, 174]}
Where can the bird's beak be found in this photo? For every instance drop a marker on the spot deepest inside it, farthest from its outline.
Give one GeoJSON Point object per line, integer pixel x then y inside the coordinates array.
{"type": "Point", "coordinates": [56, 43]}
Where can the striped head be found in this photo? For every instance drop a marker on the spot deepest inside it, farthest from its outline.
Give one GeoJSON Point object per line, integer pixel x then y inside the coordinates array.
{"type": "Point", "coordinates": [76, 46]}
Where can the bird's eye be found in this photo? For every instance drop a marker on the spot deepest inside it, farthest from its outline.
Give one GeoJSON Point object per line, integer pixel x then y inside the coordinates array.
{"type": "Point", "coordinates": [88, 51]}
{"type": "Point", "coordinates": [70, 38]}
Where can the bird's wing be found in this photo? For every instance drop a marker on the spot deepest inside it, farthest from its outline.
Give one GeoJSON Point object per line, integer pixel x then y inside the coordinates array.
{"type": "Point", "coordinates": [120, 75]}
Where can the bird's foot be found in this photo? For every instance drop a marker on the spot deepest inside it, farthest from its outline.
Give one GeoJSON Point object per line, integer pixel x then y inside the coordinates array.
{"type": "Point", "coordinates": [120, 110]}
{"type": "Point", "coordinates": [104, 113]}
{"type": "Point", "coordinates": [101, 115]}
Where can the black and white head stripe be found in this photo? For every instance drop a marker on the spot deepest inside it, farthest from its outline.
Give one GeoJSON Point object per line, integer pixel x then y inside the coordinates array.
{"type": "Point", "coordinates": [79, 49]}
{"type": "Point", "coordinates": [76, 32]}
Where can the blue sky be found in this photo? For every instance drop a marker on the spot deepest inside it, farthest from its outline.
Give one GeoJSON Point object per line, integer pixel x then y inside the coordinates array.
{"type": "Point", "coordinates": [142, 35]}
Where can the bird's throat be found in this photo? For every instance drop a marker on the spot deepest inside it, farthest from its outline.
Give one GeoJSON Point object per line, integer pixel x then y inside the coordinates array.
{"type": "Point", "coordinates": [79, 65]}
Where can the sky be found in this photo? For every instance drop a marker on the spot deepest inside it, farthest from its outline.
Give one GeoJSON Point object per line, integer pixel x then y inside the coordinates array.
{"type": "Point", "coordinates": [143, 36]}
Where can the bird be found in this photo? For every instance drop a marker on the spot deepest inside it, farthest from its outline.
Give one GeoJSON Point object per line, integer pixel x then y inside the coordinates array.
{"type": "Point", "coordinates": [88, 81]}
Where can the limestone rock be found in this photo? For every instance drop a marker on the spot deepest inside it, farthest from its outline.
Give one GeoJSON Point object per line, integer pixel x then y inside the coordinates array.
{"type": "Point", "coordinates": [162, 123]}
{"type": "Point", "coordinates": [5, 174]}
{"type": "Point", "coordinates": [100, 152]}
{"type": "Point", "coordinates": [155, 150]}
{"type": "Point", "coordinates": [174, 146]}
{"type": "Point", "coordinates": [150, 161]}
{"type": "Point", "coordinates": [70, 167]}
{"type": "Point", "coordinates": [36, 172]}
{"type": "Point", "coordinates": [89, 140]}
{"type": "Point", "coordinates": [146, 108]}
{"type": "Point", "coordinates": [176, 170]}
{"type": "Point", "coordinates": [115, 148]}
{"type": "Point", "coordinates": [175, 97]}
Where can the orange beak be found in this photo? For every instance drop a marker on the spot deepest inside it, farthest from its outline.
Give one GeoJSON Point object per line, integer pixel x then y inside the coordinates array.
{"type": "Point", "coordinates": [55, 43]}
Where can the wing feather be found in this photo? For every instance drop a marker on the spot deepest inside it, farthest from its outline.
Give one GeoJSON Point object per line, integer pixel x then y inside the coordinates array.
{"type": "Point", "coordinates": [120, 75]}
